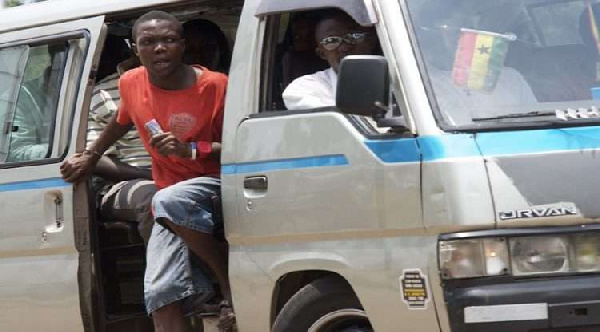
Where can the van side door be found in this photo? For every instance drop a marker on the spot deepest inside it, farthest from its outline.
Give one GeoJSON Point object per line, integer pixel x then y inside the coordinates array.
{"type": "Point", "coordinates": [43, 80]}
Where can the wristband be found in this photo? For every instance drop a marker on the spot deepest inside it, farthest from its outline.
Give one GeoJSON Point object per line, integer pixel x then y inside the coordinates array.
{"type": "Point", "coordinates": [194, 147]}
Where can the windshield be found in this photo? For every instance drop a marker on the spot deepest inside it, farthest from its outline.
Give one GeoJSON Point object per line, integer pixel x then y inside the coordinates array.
{"type": "Point", "coordinates": [496, 61]}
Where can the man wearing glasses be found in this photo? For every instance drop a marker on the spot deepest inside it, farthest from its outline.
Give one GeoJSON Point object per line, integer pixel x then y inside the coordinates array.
{"type": "Point", "coordinates": [337, 36]}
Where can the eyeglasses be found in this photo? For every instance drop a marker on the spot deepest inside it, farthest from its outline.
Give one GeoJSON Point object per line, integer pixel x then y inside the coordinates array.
{"type": "Point", "coordinates": [333, 42]}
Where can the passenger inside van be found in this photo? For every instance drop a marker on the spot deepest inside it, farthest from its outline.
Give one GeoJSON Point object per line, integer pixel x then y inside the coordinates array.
{"type": "Point", "coordinates": [35, 107]}
{"type": "Point", "coordinates": [206, 45]}
{"type": "Point", "coordinates": [122, 177]}
{"type": "Point", "coordinates": [299, 57]}
{"type": "Point", "coordinates": [337, 36]}
{"type": "Point", "coordinates": [460, 88]}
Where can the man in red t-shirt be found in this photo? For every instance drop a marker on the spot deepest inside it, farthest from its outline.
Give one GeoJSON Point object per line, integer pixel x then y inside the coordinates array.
{"type": "Point", "coordinates": [184, 104]}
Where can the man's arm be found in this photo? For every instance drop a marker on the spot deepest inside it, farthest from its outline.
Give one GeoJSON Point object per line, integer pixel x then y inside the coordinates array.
{"type": "Point", "coordinates": [114, 170]}
{"type": "Point", "coordinates": [307, 92]}
{"type": "Point", "coordinates": [79, 166]}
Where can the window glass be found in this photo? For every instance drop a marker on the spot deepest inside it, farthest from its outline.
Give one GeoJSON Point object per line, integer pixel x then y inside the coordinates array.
{"type": "Point", "coordinates": [29, 107]}
{"type": "Point", "coordinates": [12, 68]}
{"type": "Point", "coordinates": [559, 34]}
{"type": "Point", "coordinates": [509, 61]}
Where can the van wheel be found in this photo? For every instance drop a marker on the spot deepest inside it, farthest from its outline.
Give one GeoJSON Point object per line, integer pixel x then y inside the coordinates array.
{"type": "Point", "coordinates": [325, 305]}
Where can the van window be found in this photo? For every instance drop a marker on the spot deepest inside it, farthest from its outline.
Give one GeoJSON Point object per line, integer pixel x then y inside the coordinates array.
{"type": "Point", "coordinates": [30, 83]}
{"type": "Point", "coordinates": [291, 51]}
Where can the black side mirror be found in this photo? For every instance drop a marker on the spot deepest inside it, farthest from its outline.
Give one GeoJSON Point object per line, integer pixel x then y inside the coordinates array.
{"type": "Point", "coordinates": [363, 85]}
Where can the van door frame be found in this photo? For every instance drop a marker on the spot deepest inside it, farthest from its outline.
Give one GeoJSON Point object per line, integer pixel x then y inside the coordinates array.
{"type": "Point", "coordinates": [74, 98]}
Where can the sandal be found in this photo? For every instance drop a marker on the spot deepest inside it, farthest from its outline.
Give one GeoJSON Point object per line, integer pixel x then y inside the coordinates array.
{"type": "Point", "coordinates": [226, 317]}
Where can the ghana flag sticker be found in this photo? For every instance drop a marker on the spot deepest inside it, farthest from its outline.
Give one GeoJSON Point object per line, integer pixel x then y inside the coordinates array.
{"type": "Point", "coordinates": [479, 59]}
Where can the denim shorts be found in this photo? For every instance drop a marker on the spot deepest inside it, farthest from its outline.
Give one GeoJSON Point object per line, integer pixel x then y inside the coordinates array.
{"type": "Point", "coordinates": [173, 272]}
{"type": "Point", "coordinates": [188, 203]}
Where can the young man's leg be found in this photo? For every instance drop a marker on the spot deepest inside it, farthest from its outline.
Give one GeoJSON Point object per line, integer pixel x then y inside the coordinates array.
{"type": "Point", "coordinates": [131, 201]}
{"type": "Point", "coordinates": [172, 278]}
{"type": "Point", "coordinates": [186, 208]}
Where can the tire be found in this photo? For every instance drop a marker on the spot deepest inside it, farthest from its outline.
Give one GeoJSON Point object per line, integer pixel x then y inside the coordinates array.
{"type": "Point", "coordinates": [325, 305]}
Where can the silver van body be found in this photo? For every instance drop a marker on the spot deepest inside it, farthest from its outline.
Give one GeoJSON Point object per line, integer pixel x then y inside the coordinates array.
{"type": "Point", "coordinates": [386, 213]}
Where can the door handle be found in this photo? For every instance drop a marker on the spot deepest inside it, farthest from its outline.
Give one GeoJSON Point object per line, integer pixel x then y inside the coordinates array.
{"type": "Point", "coordinates": [54, 203]}
{"type": "Point", "coordinates": [58, 211]}
{"type": "Point", "coordinates": [256, 183]}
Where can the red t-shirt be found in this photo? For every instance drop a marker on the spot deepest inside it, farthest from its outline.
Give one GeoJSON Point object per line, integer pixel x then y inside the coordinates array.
{"type": "Point", "coordinates": [194, 114]}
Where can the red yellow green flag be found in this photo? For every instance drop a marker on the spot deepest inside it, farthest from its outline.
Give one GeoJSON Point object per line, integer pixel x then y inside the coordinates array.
{"type": "Point", "coordinates": [479, 59]}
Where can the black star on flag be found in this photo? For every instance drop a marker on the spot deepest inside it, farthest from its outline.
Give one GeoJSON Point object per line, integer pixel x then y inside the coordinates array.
{"type": "Point", "coordinates": [484, 49]}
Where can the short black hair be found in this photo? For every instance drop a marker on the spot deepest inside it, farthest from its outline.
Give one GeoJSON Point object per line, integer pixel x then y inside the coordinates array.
{"type": "Point", "coordinates": [329, 13]}
{"type": "Point", "coordinates": [155, 15]}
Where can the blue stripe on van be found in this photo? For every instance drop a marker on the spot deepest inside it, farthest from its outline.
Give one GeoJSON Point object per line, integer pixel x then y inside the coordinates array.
{"type": "Point", "coordinates": [432, 148]}
{"type": "Point", "coordinates": [34, 184]}
{"type": "Point", "coordinates": [539, 141]}
{"type": "Point", "coordinates": [395, 151]}
{"type": "Point", "coordinates": [281, 164]}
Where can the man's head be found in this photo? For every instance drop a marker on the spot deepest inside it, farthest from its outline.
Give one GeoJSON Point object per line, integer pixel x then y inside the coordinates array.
{"type": "Point", "coordinates": [338, 35]}
{"type": "Point", "coordinates": [206, 45]}
{"type": "Point", "coordinates": [303, 33]}
{"type": "Point", "coordinates": [159, 43]}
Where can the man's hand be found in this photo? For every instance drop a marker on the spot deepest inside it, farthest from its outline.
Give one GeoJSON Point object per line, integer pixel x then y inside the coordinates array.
{"type": "Point", "coordinates": [77, 168]}
{"type": "Point", "coordinates": [167, 144]}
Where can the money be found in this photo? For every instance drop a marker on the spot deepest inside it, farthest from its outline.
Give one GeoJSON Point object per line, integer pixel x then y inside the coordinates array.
{"type": "Point", "coordinates": [153, 128]}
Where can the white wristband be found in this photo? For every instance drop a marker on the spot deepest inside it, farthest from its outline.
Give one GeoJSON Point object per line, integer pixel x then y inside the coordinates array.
{"type": "Point", "coordinates": [194, 147]}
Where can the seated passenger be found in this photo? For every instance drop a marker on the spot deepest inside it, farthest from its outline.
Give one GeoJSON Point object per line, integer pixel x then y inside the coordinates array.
{"type": "Point", "coordinates": [36, 104]}
{"type": "Point", "coordinates": [124, 186]}
{"type": "Point", "coordinates": [206, 45]}
{"type": "Point", "coordinates": [299, 58]}
{"type": "Point", "coordinates": [462, 90]}
{"type": "Point", "coordinates": [337, 36]}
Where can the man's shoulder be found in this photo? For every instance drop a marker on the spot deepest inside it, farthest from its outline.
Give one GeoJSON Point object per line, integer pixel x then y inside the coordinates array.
{"type": "Point", "coordinates": [320, 76]}
{"type": "Point", "coordinates": [133, 75]}
{"type": "Point", "coordinates": [311, 82]}
{"type": "Point", "coordinates": [215, 77]}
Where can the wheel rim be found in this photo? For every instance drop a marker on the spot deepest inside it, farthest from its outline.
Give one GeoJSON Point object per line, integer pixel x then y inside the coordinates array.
{"type": "Point", "coordinates": [343, 320]}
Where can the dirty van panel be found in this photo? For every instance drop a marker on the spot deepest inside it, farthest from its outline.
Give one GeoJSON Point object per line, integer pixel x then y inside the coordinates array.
{"type": "Point", "coordinates": [543, 176]}
{"type": "Point", "coordinates": [39, 259]}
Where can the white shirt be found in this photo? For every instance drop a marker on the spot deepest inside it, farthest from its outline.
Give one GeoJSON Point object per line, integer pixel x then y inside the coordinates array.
{"type": "Point", "coordinates": [311, 91]}
{"type": "Point", "coordinates": [460, 105]}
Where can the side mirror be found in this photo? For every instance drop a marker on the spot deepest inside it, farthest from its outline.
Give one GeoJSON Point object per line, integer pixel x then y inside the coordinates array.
{"type": "Point", "coordinates": [363, 86]}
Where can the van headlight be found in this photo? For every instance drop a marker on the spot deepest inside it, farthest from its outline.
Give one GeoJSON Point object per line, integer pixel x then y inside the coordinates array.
{"type": "Point", "coordinates": [539, 255]}
{"type": "Point", "coordinates": [473, 258]}
{"type": "Point", "coordinates": [587, 253]}
{"type": "Point", "coordinates": [519, 255]}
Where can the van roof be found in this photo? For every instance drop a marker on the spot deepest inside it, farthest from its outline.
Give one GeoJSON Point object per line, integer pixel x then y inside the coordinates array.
{"type": "Point", "coordinates": [47, 12]}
